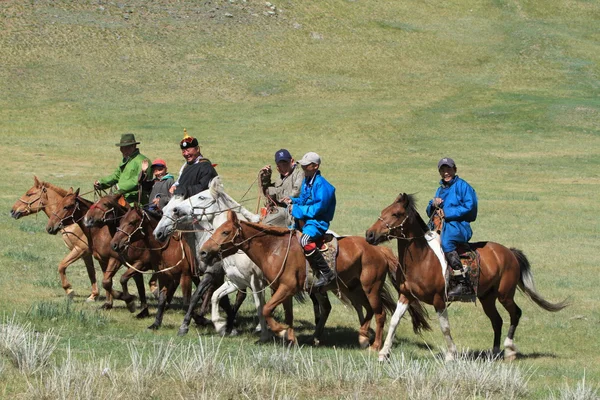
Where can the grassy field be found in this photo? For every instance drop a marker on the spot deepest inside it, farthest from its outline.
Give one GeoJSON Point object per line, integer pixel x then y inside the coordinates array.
{"type": "Point", "coordinates": [381, 90]}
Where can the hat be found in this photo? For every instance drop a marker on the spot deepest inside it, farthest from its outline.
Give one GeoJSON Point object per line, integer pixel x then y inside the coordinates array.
{"type": "Point", "coordinates": [282, 155]}
{"type": "Point", "coordinates": [188, 141]}
{"type": "Point", "coordinates": [159, 162]}
{"type": "Point", "coordinates": [310, 158]}
{"type": "Point", "coordinates": [127, 139]}
{"type": "Point", "coordinates": [446, 161]}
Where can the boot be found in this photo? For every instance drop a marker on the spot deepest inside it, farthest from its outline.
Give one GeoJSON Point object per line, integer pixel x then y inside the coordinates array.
{"type": "Point", "coordinates": [318, 263]}
{"type": "Point", "coordinates": [460, 284]}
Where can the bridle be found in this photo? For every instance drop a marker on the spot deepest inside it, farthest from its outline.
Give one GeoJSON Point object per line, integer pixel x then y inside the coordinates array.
{"type": "Point", "coordinates": [29, 209]}
{"type": "Point", "coordinates": [139, 228]}
{"type": "Point", "coordinates": [72, 216]}
{"type": "Point", "coordinates": [105, 212]}
{"type": "Point", "coordinates": [389, 235]}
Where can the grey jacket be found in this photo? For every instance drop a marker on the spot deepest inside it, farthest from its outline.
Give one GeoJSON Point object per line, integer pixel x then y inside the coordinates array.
{"type": "Point", "coordinates": [288, 186]}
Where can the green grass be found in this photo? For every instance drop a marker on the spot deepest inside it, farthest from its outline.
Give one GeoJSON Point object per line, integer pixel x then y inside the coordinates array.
{"type": "Point", "coordinates": [381, 90]}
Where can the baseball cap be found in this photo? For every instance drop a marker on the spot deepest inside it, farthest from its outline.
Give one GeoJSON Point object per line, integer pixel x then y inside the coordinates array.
{"type": "Point", "coordinates": [282, 155]}
{"type": "Point", "coordinates": [446, 161]}
{"type": "Point", "coordinates": [310, 158]}
{"type": "Point", "coordinates": [159, 162]}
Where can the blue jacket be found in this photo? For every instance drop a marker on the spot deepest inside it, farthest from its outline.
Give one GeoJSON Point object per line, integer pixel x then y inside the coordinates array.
{"type": "Point", "coordinates": [315, 205]}
{"type": "Point", "coordinates": [460, 208]}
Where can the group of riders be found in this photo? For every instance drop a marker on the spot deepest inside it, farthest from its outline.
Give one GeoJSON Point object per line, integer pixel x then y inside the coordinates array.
{"type": "Point", "coordinates": [298, 197]}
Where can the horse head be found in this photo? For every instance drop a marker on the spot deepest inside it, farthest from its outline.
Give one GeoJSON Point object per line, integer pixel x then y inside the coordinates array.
{"type": "Point", "coordinates": [222, 243]}
{"type": "Point", "coordinates": [34, 200]}
{"type": "Point", "coordinates": [107, 209]}
{"type": "Point", "coordinates": [67, 212]}
{"type": "Point", "coordinates": [130, 229]}
{"type": "Point", "coordinates": [175, 215]}
{"type": "Point", "coordinates": [396, 221]}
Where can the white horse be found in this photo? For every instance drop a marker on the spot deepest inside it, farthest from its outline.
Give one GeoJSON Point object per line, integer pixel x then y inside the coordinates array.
{"type": "Point", "coordinates": [204, 212]}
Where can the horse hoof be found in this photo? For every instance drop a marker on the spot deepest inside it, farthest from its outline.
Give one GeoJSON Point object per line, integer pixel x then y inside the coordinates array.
{"type": "Point", "coordinates": [182, 331]}
{"type": "Point", "coordinates": [106, 306]}
{"type": "Point", "coordinates": [316, 342]}
{"type": "Point", "coordinates": [233, 332]}
{"type": "Point", "coordinates": [363, 342]}
{"type": "Point", "coordinates": [71, 294]}
{"type": "Point", "coordinates": [449, 357]}
{"type": "Point", "coordinates": [143, 314]}
{"type": "Point", "coordinates": [154, 327]}
{"type": "Point", "coordinates": [91, 299]}
{"type": "Point", "coordinates": [131, 306]}
{"type": "Point", "coordinates": [383, 357]}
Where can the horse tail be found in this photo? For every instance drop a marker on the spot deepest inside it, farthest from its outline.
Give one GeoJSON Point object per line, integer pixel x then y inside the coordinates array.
{"type": "Point", "coordinates": [418, 314]}
{"type": "Point", "coordinates": [300, 297]}
{"type": "Point", "coordinates": [527, 285]}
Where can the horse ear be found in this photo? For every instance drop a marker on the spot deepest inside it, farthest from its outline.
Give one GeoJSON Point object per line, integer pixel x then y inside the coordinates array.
{"type": "Point", "coordinates": [36, 181]}
{"type": "Point", "coordinates": [400, 198]}
{"type": "Point", "coordinates": [233, 217]}
{"type": "Point", "coordinates": [77, 192]}
{"type": "Point", "coordinates": [70, 190]}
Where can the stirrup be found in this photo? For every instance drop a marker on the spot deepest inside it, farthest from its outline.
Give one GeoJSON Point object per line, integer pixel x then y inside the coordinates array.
{"type": "Point", "coordinates": [325, 280]}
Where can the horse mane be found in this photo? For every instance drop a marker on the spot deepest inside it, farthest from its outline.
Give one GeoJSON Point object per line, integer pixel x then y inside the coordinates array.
{"type": "Point", "coordinates": [413, 214]}
{"type": "Point", "coordinates": [60, 191]}
{"type": "Point", "coordinates": [217, 192]}
{"type": "Point", "coordinates": [269, 229]}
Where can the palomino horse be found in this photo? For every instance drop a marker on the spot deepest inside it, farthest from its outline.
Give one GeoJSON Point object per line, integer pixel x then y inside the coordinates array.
{"type": "Point", "coordinates": [361, 271]}
{"type": "Point", "coordinates": [108, 211]}
{"type": "Point", "coordinates": [71, 210]}
{"type": "Point", "coordinates": [420, 276]}
{"type": "Point", "coordinates": [173, 259]}
{"type": "Point", "coordinates": [44, 196]}
{"type": "Point", "coordinates": [207, 209]}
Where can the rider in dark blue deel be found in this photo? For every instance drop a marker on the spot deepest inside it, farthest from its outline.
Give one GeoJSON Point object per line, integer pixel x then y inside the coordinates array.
{"type": "Point", "coordinates": [314, 207]}
{"type": "Point", "coordinates": [456, 202]}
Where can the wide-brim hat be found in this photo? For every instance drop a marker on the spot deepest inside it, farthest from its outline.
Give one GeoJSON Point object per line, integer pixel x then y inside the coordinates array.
{"type": "Point", "coordinates": [127, 139]}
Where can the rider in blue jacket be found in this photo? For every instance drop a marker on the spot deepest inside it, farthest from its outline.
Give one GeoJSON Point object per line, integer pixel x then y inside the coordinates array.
{"type": "Point", "coordinates": [313, 211]}
{"type": "Point", "coordinates": [456, 202]}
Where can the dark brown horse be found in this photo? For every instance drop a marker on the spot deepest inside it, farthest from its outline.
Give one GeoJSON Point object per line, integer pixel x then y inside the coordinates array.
{"type": "Point", "coordinates": [108, 211]}
{"type": "Point", "coordinates": [420, 275]}
{"type": "Point", "coordinates": [361, 270]}
{"type": "Point", "coordinates": [173, 259]}
{"type": "Point", "coordinates": [71, 210]}
{"type": "Point", "coordinates": [44, 196]}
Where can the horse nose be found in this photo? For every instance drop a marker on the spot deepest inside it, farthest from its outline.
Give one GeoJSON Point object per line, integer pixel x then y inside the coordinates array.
{"type": "Point", "coordinates": [370, 236]}
{"type": "Point", "coordinates": [158, 236]}
{"type": "Point", "coordinates": [115, 246]}
{"type": "Point", "coordinates": [88, 222]}
{"type": "Point", "coordinates": [203, 256]}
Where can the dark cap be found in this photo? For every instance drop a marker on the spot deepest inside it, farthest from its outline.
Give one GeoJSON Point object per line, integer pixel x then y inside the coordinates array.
{"type": "Point", "coordinates": [127, 139]}
{"type": "Point", "coordinates": [282, 155]}
{"type": "Point", "coordinates": [446, 161]}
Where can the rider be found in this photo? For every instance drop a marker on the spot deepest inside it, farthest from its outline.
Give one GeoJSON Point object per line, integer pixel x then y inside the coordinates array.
{"type": "Point", "coordinates": [287, 184]}
{"type": "Point", "coordinates": [456, 202]}
{"type": "Point", "coordinates": [196, 173]}
{"type": "Point", "coordinates": [313, 211]}
{"type": "Point", "coordinates": [127, 173]}
{"type": "Point", "coordinates": [159, 185]}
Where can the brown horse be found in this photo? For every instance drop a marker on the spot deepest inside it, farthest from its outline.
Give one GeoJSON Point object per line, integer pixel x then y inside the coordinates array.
{"type": "Point", "coordinates": [108, 211]}
{"type": "Point", "coordinates": [361, 273]}
{"type": "Point", "coordinates": [420, 276]}
{"type": "Point", "coordinates": [173, 259]}
{"type": "Point", "coordinates": [71, 210]}
{"type": "Point", "coordinates": [44, 196]}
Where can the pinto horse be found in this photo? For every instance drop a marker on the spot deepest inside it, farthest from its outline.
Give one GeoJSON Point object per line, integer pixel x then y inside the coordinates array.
{"type": "Point", "coordinates": [44, 196]}
{"type": "Point", "coordinates": [420, 276]}
{"type": "Point", "coordinates": [361, 273]}
{"type": "Point", "coordinates": [173, 259]}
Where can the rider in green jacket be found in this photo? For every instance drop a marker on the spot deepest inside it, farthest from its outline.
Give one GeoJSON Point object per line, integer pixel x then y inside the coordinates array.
{"type": "Point", "coordinates": [127, 173]}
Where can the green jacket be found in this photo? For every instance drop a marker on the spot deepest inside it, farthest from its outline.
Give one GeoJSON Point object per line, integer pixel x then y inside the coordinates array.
{"type": "Point", "coordinates": [126, 178]}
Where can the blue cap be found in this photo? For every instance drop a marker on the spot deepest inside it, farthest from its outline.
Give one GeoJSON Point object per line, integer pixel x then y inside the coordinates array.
{"type": "Point", "coordinates": [282, 155]}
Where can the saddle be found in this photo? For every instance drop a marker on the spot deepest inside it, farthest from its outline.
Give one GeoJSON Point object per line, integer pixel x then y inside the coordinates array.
{"type": "Point", "coordinates": [328, 246]}
{"type": "Point", "coordinates": [470, 259]}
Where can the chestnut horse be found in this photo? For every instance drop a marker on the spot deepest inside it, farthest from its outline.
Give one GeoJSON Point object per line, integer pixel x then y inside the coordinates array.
{"type": "Point", "coordinates": [420, 276]}
{"type": "Point", "coordinates": [361, 272]}
{"type": "Point", "coordinates": [44, 196]}
{"type": "Point", "coordinates": [173, 259]}
{"type": "Point", "coordinates": [71, 210]}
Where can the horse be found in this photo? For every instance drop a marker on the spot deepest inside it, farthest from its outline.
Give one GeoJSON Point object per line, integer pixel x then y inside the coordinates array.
{"type": "Point", "coordinates": [44, 196]}
{"type": "Point", "coordinates": [420, 278]}
{"type": "Point", "coordinates": [71, 210]}
{"type": "Point", "coordinates": [108, 211]}
{"type": "Point", "coordinates": [361, 272]}
{"type": "Point", "coordinates": [241, 271]}
{"type": "Point", "coordinates": [173, 260]}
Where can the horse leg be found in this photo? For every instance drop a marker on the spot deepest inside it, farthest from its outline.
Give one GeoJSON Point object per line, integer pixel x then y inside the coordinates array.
{"type": "Point", "coordinates": [442, 313]}
{"type": "Point", "coordinates": [111, 269]}
{"type": "Point", "coordinates": [224, 290]}
{"type": "Point", "coordinates": [281, 294]}
{"type": "Point", "coordinates": [139, 283]}
{"type": "Point", "coordinates": [289, 319]}
{"type": "Point", "coordinates": [374, 297]}
{"type": "Point", "coordinates": [164, 293]}
{"type": "Point", "coordinates": [323, 308]}
{"type": "Point", "coordinates": [258, 293]}
{"type": "Point", "coordinates": [488, 303]}
{"type": "Point", "coordinates": [186, 288]}
{"type": "Point", "coordinates": [89, 266]}
{"type": "Point", "coordinates": [360, 302]}
{"type": "Point", "coordinates": [507, 300]}
{"type": "Point", "coordinates": [125, 295]}
{"type": "Point", "coordinates": [69, 259]}
{"type": "Point", "coordinates": [401, 308]}
{"type": "Point", "coordinates": [153, 285]}
{"type": "Point", "coordinates": [198, 293]}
